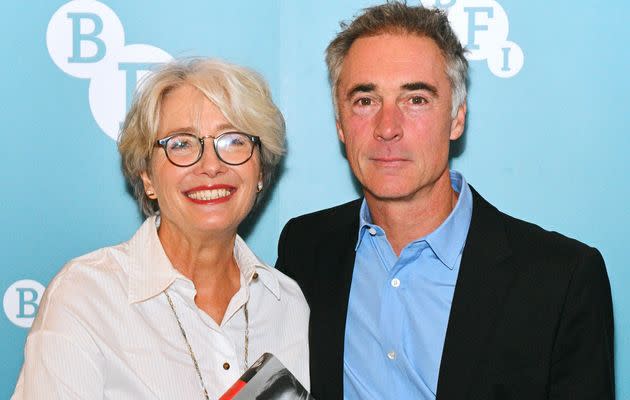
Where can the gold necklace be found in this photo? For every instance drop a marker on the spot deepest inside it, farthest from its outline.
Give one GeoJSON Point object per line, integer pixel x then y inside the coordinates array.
{"type": "Point", "coordinates": [192, 353]}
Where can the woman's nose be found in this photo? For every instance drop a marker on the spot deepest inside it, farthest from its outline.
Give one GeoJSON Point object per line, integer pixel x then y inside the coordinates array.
{"type": "Point", "coordinates": [209, 162]}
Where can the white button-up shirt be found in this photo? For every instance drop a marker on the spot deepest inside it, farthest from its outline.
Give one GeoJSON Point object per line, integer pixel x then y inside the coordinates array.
{"type": "Point", "coordinates": [105, 330]}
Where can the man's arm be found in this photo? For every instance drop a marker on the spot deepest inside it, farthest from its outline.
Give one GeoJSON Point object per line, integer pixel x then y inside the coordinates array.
{"type": "Point", "coordinates": [583, 355]}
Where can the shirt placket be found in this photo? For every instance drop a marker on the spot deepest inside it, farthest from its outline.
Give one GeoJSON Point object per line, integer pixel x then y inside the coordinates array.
{"type": "Point", "coordinates": [389, 319]}
{"type": "Point", "coordinates": [220, 360]}
{"type": "Point", "coordinates": [393, 312]}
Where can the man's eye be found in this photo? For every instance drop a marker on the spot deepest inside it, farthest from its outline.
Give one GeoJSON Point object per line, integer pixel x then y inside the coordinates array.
{"type": "Point", "coordinates": [417, 100]}
{"type": "Point", "coordinates": [364, 101]}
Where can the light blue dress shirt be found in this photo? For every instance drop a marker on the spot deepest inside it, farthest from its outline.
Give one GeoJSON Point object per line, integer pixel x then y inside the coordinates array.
{"type": "Point", "coordinates": [399, 306]}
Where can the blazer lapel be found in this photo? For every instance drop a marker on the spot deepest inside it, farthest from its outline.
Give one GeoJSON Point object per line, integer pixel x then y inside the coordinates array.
{"type": "Point", "coordinates": [482, 284]}
{"type": "Point", "coordinates": [334, 264]}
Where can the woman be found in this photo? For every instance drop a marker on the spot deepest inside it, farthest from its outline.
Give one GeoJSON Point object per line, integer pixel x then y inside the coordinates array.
{"type": "Point", "coordinates": [181, 309]}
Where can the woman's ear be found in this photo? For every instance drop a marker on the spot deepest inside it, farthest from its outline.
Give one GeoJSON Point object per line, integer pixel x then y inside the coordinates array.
{"type": "Point", "coordinates": [259, 187]}
{"type": "Point", "coordinates": [148, 185]}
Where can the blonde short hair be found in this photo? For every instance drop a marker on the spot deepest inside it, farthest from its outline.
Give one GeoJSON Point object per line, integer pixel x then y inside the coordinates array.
{"type": "Point", "coordinates": [240, 93]}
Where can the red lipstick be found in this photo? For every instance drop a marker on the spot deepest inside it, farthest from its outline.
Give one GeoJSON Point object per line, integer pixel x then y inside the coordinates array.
{"type": "Point", "coordinates": [214, 194]}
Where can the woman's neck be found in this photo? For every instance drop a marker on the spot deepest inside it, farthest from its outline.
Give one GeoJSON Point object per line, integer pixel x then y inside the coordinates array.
{"type": "Point", "coordinates": [208, 261]}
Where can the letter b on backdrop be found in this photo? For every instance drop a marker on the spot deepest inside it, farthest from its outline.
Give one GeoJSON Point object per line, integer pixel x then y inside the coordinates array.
{"type": "Point", "coordinates": [86, 39]}
{"type": "Point", "coordinates": [21, 301]}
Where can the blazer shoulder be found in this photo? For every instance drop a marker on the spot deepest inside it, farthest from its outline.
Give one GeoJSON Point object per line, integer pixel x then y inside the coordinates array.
{"type": "Point", "coordinates": [537, 240]}
{"type": "Point", "coordinates": [526, 241]}
{"type": "Point", "coordinates": [329, 218]}
{"type": "Point", "coordinates": [303, 238]}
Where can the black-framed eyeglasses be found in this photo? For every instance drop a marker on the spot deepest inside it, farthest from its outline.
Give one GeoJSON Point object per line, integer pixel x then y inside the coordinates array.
{"type": "Point", "coordinates": [185, 149]}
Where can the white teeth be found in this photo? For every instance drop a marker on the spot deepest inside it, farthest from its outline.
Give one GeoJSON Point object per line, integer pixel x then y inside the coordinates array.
{"type": "Point", "coordinates": [209, 194]}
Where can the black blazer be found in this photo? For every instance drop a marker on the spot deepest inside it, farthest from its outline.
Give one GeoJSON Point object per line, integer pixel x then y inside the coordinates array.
{"type": "Point", "coordinates": [531, 316]}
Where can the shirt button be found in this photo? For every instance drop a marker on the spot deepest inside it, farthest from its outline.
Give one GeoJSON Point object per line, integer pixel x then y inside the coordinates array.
{"type": "Point", "coordinates": [255, 276]}
{"type": "Point", "coordinates": [226, 366]}
{"type": "Point", "coordinates": [395, 282]}
{"type": "Point", "coordinates": [372, 231]}
{"type": "Point", "coordinates": [391, 355]}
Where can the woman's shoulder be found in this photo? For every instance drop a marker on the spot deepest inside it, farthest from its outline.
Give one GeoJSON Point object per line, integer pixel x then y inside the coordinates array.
{"type": "Point", "coordinates": [289, 289]}
{"type": "Point", "coordinates": [97, 265]}
{"type": "Point", "coordinates": [281, 277]}
{"type": "Point", "coordinates": [84, 283]}
{"type": "Point", "coordinates": [102, 271]}
{"type": "Point", "coordinates": [280, 285]}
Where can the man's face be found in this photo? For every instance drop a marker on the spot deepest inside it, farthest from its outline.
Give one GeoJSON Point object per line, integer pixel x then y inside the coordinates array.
{"type": "Point", "coordinates": [394, 100]}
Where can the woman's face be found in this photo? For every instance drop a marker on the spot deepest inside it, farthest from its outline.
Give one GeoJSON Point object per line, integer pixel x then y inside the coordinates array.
{"type": "Point", "coordinates": [209, 196]}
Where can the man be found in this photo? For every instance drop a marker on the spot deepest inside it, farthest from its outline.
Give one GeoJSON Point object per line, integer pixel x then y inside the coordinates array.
{"type": "Point", "coordinates": [422, 289]}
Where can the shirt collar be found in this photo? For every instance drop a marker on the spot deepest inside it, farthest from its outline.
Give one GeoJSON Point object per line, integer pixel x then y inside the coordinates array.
{"type": "Point", "coordinates": [151, 272]}
{"type": "Point", "coordinates": [251, 265]}
{"type": "Point", "coordinates": [447, 241]}
{"type": "Point", "coordinates": [365, 223]}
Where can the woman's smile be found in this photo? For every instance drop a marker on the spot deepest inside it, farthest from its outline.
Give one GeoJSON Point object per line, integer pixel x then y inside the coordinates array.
{"type": "Point", "coordinates": [210, 194]}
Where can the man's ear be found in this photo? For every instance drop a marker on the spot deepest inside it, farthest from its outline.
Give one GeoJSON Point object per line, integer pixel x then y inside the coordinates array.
{"type": "Point", "coordinates": [148, 185]}
{"type": "Point", "coordinates": [458, 123]}
{"type": "Point", "coordinates": [340, 133]}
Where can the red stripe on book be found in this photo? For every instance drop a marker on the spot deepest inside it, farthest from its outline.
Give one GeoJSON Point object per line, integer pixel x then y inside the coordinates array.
{"type": "Point", "coordinates": [231, 392]}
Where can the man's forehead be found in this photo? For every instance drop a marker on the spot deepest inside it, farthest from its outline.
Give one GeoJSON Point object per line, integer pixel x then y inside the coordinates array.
{"type": "Point", "coordinates": [392, 60]}
{"type": "Point", "coordinates": [405, 45]}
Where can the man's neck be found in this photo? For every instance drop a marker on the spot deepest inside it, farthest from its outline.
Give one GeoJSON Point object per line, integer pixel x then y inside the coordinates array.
{"type": "Point", "coordinates": [405, 220]}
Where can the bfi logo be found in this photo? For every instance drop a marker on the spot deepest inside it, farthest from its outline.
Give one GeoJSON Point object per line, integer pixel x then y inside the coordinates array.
{"type": "Point", "coordinates": [482, 26]}
{"type": "Point", "coordinates": [86, 40]}
{"type": "Point", "coordinates": [21, 302]}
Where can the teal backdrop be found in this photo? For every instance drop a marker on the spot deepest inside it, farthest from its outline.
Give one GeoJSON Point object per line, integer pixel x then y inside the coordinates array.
{"type": "Point", "coordinates": [546, 139]}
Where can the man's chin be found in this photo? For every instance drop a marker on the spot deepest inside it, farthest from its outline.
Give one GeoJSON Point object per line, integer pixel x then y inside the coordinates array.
{"type": "Point", "coordinates": [385, 194]}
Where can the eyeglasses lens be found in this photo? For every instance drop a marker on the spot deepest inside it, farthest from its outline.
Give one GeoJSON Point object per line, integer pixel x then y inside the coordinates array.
{"type": "Point", "coordinates": [183, 149]}
{"type": "Point", "coordinates": [232, 148]}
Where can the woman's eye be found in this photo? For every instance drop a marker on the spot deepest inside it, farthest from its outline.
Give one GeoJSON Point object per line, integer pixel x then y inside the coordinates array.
{"type": "Point", "coordinates": [179, 144]}
{"type": "Point", "coordinates": [236, 141]}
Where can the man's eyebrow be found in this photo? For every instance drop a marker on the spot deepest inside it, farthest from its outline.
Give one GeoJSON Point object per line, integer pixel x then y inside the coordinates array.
{"type": "Point", "coordinates": [361, 87]}
{"type": "Point", "coordinates": [420, 86]}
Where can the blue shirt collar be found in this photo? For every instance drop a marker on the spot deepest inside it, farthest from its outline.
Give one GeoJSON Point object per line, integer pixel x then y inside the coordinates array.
{"type": "Point", "coordinates": [448, 240]}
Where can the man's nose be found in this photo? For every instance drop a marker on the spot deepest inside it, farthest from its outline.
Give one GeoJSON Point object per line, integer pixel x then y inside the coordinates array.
{"type": "Point", "coordinates": [389, 123]}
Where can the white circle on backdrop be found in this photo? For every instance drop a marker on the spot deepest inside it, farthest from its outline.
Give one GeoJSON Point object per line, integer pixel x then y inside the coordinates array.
{"type": "Point", "coordinates": [442, 4]}
{"type": "Point", "coordinates": [507, 60]}
{"type": "Point", "coordinates": [484, 13]}
{"type": "Point", "coordinates": [21, 301]}
{"type": "Point", "coordinates": [108, 90]}
{"type": "Point", "coordinates": [98, 45]}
